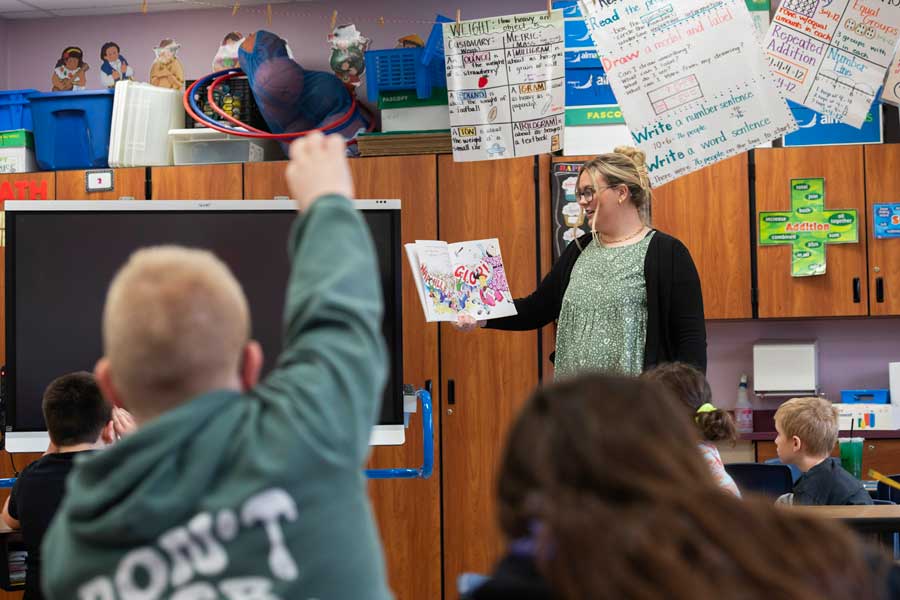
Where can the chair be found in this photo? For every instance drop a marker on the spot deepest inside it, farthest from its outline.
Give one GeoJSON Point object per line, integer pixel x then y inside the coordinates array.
{"type": "Point", "coordinates": [795, 470]}
{"type": "Point", "coordinates": [468, 582]}
{"type": "Point", "coordinates": [771, 480]}
{"type": "Point", "coordinates": [886, 492]}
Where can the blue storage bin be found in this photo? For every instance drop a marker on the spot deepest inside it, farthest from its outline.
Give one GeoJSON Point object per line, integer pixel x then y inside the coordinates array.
{"type": "Point", "coordinates": [15, 110]}
{"type": "Point", "coordinates": [71, 129]}
{"type": "Point", "coordinates": [417, 69]}
{"type": "Point", "coordinates": [865, 397]}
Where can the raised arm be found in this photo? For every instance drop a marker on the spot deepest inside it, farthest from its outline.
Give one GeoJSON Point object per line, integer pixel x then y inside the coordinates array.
{"type": "Point", "coordinates": [328, 381]}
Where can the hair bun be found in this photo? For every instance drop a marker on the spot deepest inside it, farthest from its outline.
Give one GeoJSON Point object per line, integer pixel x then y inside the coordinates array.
{"type": "Point", "coordinates": [640, 162]}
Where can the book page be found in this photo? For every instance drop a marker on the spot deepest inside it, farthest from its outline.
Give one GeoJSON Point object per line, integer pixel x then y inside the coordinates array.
{"type": "Point", "coordinates": [435, 274]}
{"type": "Point", "coordinates": [483, 292]}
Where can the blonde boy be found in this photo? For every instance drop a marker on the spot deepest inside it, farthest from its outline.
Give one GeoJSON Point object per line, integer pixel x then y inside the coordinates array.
{"type": "Point", "coordinates": [807, 432]}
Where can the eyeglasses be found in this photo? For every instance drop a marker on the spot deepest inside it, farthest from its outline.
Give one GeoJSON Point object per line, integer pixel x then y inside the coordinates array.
{"type": "Point", "coordinates": [588, 194]}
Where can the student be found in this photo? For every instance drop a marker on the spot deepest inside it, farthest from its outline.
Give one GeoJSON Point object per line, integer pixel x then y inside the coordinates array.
{"type": "Point", "coordinates": [233, 487]}
{"type": "Point", "coordinates": [689, 387]}
{"type": "Point", "coordinates": [807, 432]}
{"type": "Point", "coordinates": [603, 495]}
{"type": "Point", "coordinates": [79, 421]}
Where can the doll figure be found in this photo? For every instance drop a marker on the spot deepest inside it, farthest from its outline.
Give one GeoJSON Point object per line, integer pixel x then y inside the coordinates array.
{"type": "Point", "coordinates": [114, 68]}
{"type": "Point", "coordinates": [348, 47]}
{"type": "Point", "coordinates": [70, 71]}
{"type": "Point", "coordinates": [227, 56]}
{"type": "Point", "coordinates": [166, 71]}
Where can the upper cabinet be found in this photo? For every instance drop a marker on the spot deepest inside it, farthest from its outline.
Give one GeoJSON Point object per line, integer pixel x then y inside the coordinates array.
{"type": "Point", "coordinates": [127, 184]}
{"type": "Point", "coordinates": [709, 210]}
{"type": "Point", "coordinates": [883, 186]}
{"type": "Point", "coordinates": [198, 182]}
{"type": "Point", "coordinates": [842, 290]}
{"type": "Point", "coordinates": [28, 186]}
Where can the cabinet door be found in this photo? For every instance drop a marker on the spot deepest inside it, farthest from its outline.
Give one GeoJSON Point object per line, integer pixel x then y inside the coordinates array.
{"type": "Point", "coordinates": [408, 511]}
{"type": "Point", "coordinates": [198, 182]}
{"type": "Point", "coordinates": [883, 185]}
{"type": "Point", "coordinates": [265, 180]}
{"type": "Point", "coordinates": [709, 210]}
{"type": "Point", "coordinates": [842, 290]}
{"type": "Point", "coordinates": [490, 373]}
{"type": "Point", "coordinates": [27, 186]}
{"type": "Point", "coordinates": [127, 183]}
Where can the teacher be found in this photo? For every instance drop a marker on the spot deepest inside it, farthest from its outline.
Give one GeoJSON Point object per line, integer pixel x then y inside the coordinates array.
{"type": "Point", "coordinates": [627, 297]}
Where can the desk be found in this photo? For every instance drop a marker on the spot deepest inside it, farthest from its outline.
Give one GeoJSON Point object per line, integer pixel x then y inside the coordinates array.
{"type": "Point", "coordinates": [881, 518]}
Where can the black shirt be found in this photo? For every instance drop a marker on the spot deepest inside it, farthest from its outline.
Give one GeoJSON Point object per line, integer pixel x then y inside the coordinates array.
{"type": "Point", "coordinates": [34, 500]}
{"type": "Point", "coordinates": [676, 329]}
{"type": "Point", "coordinates": [828, 483]}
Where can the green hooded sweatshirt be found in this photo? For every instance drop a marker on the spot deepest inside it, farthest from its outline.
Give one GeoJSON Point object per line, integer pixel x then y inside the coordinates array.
{"type": "Point", "coordinates": [257, 495]}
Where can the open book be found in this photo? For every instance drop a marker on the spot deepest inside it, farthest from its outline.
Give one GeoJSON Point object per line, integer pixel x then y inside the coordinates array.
{"type": "Point", "coordinates": [461, 278]}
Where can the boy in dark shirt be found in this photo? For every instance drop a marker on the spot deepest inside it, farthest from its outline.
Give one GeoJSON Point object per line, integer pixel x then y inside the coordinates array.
{"type": "Point", "coordinates": [78, 420]}
{"type": "Point", "coordinates": [807, 432]}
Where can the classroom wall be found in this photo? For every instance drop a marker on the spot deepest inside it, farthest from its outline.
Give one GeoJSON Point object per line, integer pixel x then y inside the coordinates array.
{"type": "Point", "coordinates": [3, 53]}
{"type": "Point", "coordinates": [853, 353]}
{"type": "Point", "coordinates": [304, 25]}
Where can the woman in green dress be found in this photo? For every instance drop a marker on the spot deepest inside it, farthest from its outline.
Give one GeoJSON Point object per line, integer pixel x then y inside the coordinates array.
{"type": "Point", "coordinates": [626, 296]}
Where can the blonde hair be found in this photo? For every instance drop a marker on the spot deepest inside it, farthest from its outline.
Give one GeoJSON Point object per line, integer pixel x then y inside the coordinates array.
{"type": "Point", "coordinates": [175, 324]}
{"type": "Point", "coordinates": [813, 420]}
{"type": "Point", "coordinates": [627, 166]}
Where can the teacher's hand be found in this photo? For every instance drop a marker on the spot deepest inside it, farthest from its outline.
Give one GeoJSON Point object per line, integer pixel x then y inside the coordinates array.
{"type": "Point", "coordinates": [467, 323]}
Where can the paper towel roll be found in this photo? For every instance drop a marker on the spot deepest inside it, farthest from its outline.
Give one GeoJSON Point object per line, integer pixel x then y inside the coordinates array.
{"type": "Point", "coordinates": [894, 372]}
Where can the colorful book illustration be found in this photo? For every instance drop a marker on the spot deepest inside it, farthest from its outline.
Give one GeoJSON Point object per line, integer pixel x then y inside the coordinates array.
{"type": "Point", "coordinates": [461, 278]}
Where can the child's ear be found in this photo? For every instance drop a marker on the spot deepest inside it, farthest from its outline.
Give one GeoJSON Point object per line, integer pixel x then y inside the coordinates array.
{"type": "Point", "coordinates": [796, 443]}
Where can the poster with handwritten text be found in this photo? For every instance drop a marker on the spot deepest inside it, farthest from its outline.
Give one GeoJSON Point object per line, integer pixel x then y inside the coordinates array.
{"type": "Point", "coordinates": [891, 92]}
{"type": "Point", "coordinates": [505, 85]}
{"type": "Point", "coordinates": [832, 55]}
{"type": "Point", "coordinates": [691, 79]}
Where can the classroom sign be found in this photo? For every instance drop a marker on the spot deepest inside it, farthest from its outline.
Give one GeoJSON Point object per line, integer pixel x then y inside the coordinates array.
{"type": "Point", "coordinates": [887, 220]}
{"type": "Point", "coordinates": [832, 55]}
{"type": "Point", "coordinates": [808, 227]}
{"type": "Point", "coordinates": [891, 91]}
{"type": "Point", "coordinates": [505, 85]}
{"type": "Point", "coordinates": [569, 222]}
{"type": "Point", "coordinates": [690, 77]}
{"type": "Point", "coordinates": [816, 129]}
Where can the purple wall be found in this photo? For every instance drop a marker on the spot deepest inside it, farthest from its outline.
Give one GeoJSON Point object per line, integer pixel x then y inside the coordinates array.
{"type": "Point", "coordinates": [853, 353]}
{"type": "Point", "coordinates": [4, 29]}
{"type": "Point", "coordinates": [305, 26]}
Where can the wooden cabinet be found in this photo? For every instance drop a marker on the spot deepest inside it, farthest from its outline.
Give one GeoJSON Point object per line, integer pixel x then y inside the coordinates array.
{"type": "Point", "coordinates": [127, 183]}
{"type": "Point", "coordinates": [265, 180]}
{"type": "Point", "coordinates": [842, 291]}
{"type": "Point", "coordinates": [198, 182]}
{"type": "Point", "coordinates": [408, 511]}
{"type": "Point", "coordinates": [883, 185]}
{"type": "Point", "coordinates": [487, 375]}
{"type": "Point", "coordinates": [881, 454]}
{"type": "Point", "coordinates": [709, 211]}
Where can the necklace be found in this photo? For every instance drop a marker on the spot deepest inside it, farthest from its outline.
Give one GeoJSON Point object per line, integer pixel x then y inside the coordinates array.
{"type": "Point", "coordinates": [624, 239]}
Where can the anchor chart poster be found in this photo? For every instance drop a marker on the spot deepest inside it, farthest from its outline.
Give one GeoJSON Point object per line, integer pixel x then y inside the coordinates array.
{"type": "Point", "coordinates": [690, 77]}
{"type": "Point", "coordinates": [506, 85]}
{"type": "Point", "coordinates": [832, 55]}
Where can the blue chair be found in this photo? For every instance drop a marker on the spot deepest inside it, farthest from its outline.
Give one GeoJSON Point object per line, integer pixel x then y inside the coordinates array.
{"type": "Point", "coordinates": [771, 480]}
{"type": "Point", "coordinates": [795, 470]}
{"type": "Point", "coordinates": [469, 582]}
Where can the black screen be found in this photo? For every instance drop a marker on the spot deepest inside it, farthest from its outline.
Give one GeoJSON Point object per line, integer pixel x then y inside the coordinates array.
{"type": "Point", "coordinates": [59, 266]}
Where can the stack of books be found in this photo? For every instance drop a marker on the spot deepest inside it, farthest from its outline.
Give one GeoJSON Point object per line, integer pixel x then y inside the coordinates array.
{"type": "Point", "coordinates": [405, 142]}
{"type": "Point", "coordinates": [404, 111]}
{"type": "Point", "coordinates": [17, 567]}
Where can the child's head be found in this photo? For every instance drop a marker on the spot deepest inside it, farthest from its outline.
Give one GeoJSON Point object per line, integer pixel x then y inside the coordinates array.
{"type": "Point", "coordinates": [690, 389]}
{"type": "Point", "coordinates": [807, 427]}
{"type": "Point", "coordinates": [74, 410]}
{"type": "Point", "coordinates": [109, 52]}
{"type": "Point", "coordinates": [601, 466]}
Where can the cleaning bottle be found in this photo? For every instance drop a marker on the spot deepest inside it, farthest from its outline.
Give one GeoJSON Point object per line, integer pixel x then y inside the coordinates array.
{"type": "Point", "coordinates": [743, 410]}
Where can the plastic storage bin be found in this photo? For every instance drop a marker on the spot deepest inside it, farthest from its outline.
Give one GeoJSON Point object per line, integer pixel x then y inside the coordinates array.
{"type": "Point", "coordinates": [417, 69]}
{"type": "Point", "coordinates": [71, 129]}
{"type": "Point", "coordinates": [143, 114]}
{"type": "Point", "coordinates": [234, 97]}
{"type": "Point", "coordinates": [15, 110]}
{"type": "Point", "coordinates": [206, 146]}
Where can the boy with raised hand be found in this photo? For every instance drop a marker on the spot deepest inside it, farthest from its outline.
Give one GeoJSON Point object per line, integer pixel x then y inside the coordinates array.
{"type": "Point", "coordinates": [807, 432]}
{"type": "Point", "coordinates": [233, 487]}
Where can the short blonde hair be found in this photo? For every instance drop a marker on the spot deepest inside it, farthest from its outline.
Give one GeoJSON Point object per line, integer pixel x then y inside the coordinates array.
{"type": "Point", "coordinates": [174, 325]}
{"type": "Point", "coordinates": [813, 420]}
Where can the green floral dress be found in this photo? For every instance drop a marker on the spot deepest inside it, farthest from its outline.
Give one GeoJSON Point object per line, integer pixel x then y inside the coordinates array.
{"type": "Point", "coordinates": [603, 319]}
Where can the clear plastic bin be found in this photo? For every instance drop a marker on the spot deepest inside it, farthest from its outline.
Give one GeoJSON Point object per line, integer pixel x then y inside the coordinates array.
{"type": "Point", "coordinates": [143, 114]}
{"type": "Point", "coordinates": [206, 146]}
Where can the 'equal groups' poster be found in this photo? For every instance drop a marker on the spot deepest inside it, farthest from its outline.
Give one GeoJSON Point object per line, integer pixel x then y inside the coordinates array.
{"type": "Point", "coordinates": [690, 77]}
{"type": "Point", "coordinates": [505, 85]}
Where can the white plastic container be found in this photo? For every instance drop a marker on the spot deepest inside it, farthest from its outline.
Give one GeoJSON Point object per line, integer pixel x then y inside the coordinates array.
{"type": "Point", "coordinates": [143, 114]}
{"type": "Point", "coordinates": [206, 146]}
{"type": "Point", "coordinates": [743, 410]}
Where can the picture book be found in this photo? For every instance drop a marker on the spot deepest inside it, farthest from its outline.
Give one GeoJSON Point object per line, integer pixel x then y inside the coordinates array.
{"type": "Point", "coordinates": [460, 278]}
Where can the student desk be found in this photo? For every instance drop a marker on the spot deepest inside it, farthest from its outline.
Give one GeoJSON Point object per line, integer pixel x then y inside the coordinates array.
{"type": "Point", "coordinates": [880, 519]}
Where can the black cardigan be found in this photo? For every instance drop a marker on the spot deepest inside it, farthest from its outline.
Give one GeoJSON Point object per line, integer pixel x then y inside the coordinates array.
{"type": "Point", "coordinates": [676, 329]}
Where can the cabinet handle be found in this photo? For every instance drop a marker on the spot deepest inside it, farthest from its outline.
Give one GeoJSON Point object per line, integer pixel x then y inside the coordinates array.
{"type": "Point", "coordinates": [428, 385]}
{"type": "Point", "coordinates": [857, 292]}
{"type": "Point", "coordinates": [879, 289]}
{"type": "Point", "coordinates": [451, 391]}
